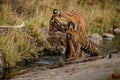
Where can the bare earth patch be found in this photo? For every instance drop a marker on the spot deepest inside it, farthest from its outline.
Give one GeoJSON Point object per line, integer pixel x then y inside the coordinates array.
{"type": "Point", "coordinates": [91, 70]}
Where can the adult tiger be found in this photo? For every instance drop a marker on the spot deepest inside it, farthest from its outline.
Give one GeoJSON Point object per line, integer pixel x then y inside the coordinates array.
{"type": "Point", "coordinates": [79, 44]}
{"type": "Point", "coordinates": [59, 21]}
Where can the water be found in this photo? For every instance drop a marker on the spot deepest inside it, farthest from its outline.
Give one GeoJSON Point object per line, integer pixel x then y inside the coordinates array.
{"type": "Point", "coordinates": [107, 47]}
{"type": "Point", "coordinates": [111, 46]}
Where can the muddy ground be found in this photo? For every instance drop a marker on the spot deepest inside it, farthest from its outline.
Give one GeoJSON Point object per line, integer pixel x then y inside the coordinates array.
{"type": "Point", "coordinates": [99, 69]}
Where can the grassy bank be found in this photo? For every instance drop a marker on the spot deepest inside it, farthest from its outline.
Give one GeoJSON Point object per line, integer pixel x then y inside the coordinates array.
{"type": "Point", "coordinates": [100, 14]}
{"type": "Point", "coordinates": [15, 46]}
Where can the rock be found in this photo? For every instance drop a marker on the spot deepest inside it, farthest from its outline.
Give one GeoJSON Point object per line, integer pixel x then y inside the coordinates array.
{"type": "Point", "coordinates": [96, 38]}
{"type": "Point", "coordinates": [108, 36]}
{"type": "Point", "coordinates": [109, 39]}
{"type": "Point", "coordinates": [110, 56]}
{"type": "Point", "coordinates": [57, 38]}
{"type": "Point", "coordinates": [116, 30]}
{"type": "Point", "coordinates": [1, 60]}
{"type": "Point", "coordinates": [55, 44]}
{"type": "Point", "coordinates": [2, 65]}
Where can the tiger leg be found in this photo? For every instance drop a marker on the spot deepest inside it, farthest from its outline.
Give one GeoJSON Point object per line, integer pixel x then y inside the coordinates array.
{"type": "Point", "coordinates": [72, 51]}
{"type": "Point", "coordinates": [77, 50]}
{"type": "Point", "coordinates": [82, 54]}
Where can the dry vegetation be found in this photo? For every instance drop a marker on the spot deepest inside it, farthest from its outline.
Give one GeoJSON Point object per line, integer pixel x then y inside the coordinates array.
{"type": "Point", "coordinates": [100, 14]}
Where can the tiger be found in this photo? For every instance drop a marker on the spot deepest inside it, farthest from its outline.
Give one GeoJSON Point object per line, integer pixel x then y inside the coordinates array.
{"type": "Point", "coordinates": [59, 22]}
{"type": "Point", "coordinates": [79, 44]}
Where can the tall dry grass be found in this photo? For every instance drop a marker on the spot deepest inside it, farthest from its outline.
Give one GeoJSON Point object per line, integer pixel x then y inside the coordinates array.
{"type": "Point", "coordinates": [15, 46]}
{"type": "Point", "coordinates": [36, 13]}
{"type": "Point", "coordinates": [100, 14]}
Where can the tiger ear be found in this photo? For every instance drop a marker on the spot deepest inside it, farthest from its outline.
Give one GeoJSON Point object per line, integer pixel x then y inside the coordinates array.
{"type": "Point", "coordinates": [72, 25]}
{"type": "Point", "coordinates": [56, 12]}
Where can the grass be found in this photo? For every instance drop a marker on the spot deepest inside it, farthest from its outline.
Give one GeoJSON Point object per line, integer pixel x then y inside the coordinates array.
{"type": "Point", "coordinates": [36, 13]}
{"type": "Point", "coordinates": [100, 14]}
{"type": "Point", "coordinates": [15, 46]}
{"type": "Point", "coordinates": [61, 61]}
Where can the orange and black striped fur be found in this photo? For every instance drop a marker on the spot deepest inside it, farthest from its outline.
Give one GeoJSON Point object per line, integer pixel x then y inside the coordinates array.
{"type": "Point", "coordinates": [59, 21]}
{"type": "Point", "coordinates": [79, 43]}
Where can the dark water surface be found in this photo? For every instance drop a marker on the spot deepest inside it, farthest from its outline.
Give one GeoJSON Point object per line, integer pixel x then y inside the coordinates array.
{"type": "Point", "coordinates": [111, 46]}
{"type": "Point", "coordinates": [108, 46]}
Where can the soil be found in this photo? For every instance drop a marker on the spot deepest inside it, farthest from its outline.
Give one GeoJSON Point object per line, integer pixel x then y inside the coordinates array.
{"type": "Point", "coordinates": [99, 69]}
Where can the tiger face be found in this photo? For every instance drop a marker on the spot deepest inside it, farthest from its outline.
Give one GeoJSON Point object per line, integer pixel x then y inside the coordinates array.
{"type": "Point", "coordinates": [57, 22]}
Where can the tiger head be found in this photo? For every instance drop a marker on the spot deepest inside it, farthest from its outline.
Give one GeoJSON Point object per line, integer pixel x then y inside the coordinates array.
{"type": "Point", "coordinates": [58, 22]}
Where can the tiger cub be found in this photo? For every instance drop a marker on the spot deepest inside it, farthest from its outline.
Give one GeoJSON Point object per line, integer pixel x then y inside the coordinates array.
{"type": "Point", "coordinates": [79, 44]}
